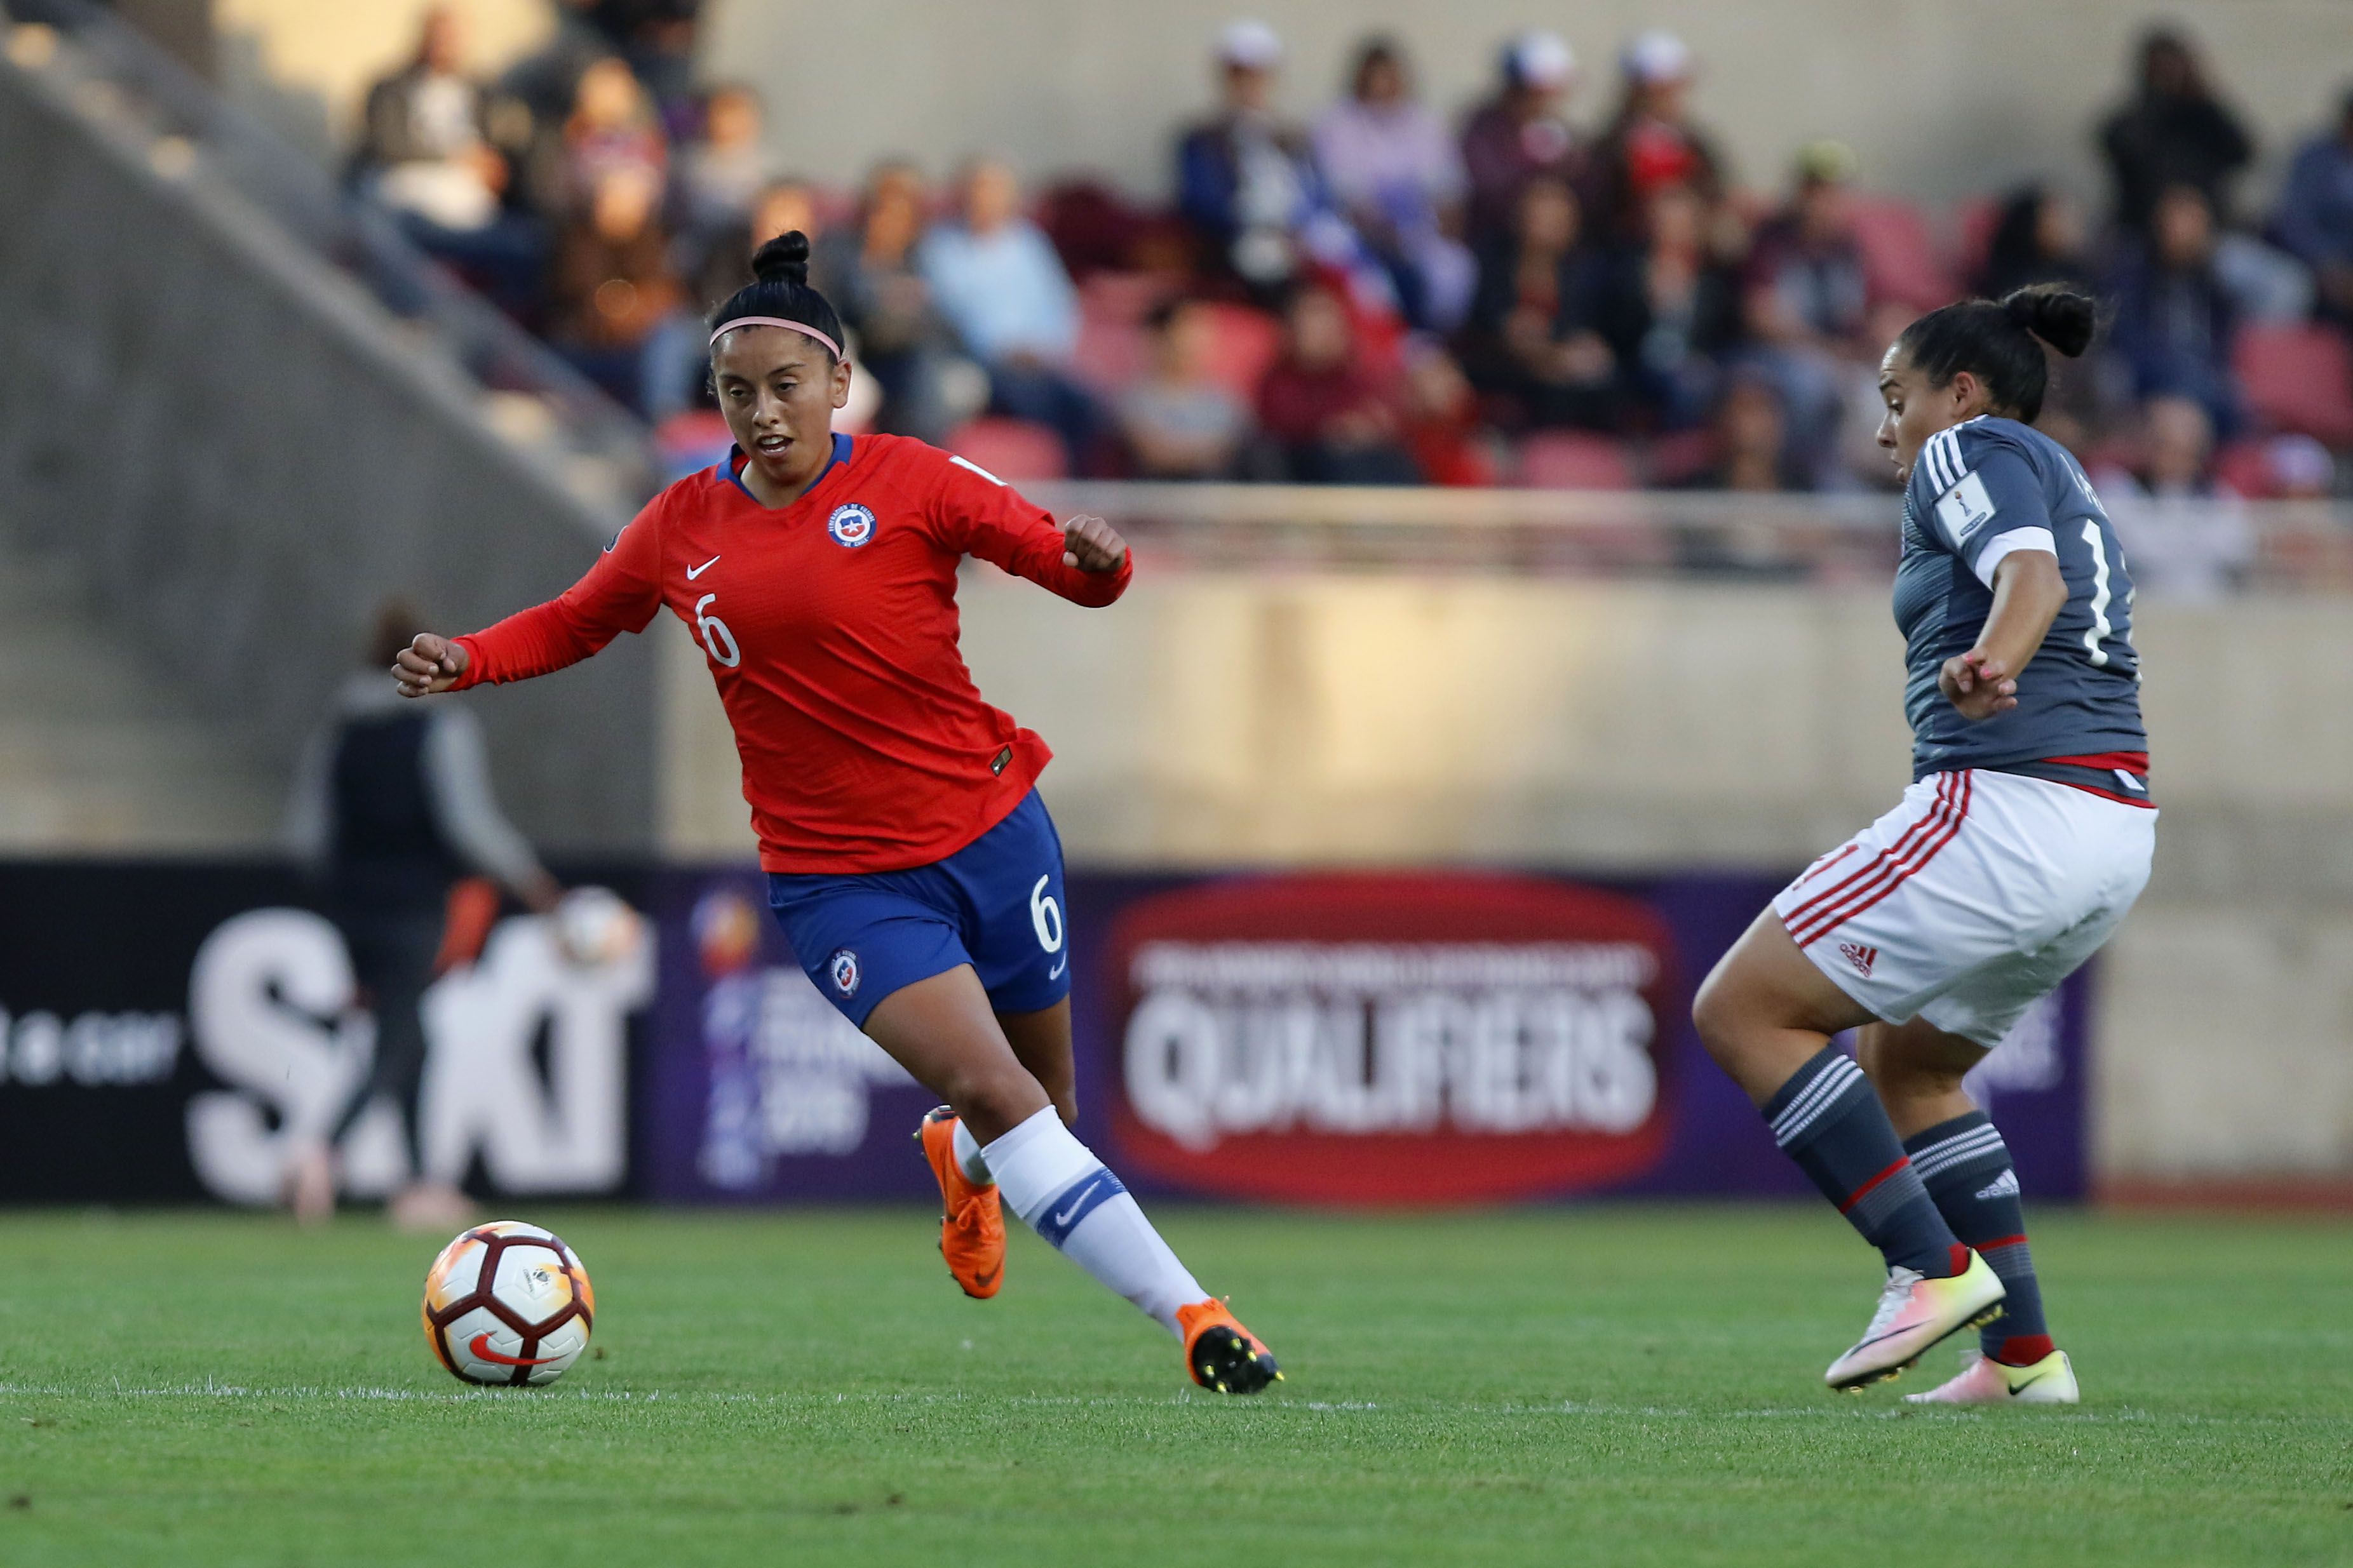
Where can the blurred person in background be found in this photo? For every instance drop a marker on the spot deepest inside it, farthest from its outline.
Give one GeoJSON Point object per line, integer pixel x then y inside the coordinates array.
{"type": "Point", "coordinates": [2174, 317]}
{"type": "Point", "coordinates": [1399, 179]}
{"type": "Point", "coordinates": [1651, 141]}
{"type": "Point", "coordinates": [610, 287]}
{"type": "Point", "coordinates": [1448, 440]}
{"type": "Point", "coordinates": [722, 171]}
{"type": "Point", "coordinates": [1334, 422]}
{"type": "Point", "coordinates": [1670, 310]}
{"type": "Point", "coordinates": [1750, 433]}
{"type": "Point", "coordinates": [2038, 237]}
{"type": "Point", "coordinates": [2173, 131]}
{"type": "Point", "coordinates": [1246, 178]}
{"type": "Point", "coordinates": [1808, 302]}
{"type": "Point", "coordinates": [2187, 532]}
{"type": "Point", "coordinates": [392, 809]}
{"type": "Point", "coordinates": [1180, 421]}
{"type": "Point", "coordinates": [425, 152]}
{"type": "Point", "coordinates": [611, 128]}
{"type": "Point", "coordinates": [1520, 134]}
{"type": "Point", "coordinates": [871, 269]}
{"type": "Point", "coordinates": [725, 262]}
{"type": "Point", "coordinates": [2314, 219]}
{"type": "Point", "coordinates": [1533, 336]}
{"type": "Point", "coordinates": [999, 283]}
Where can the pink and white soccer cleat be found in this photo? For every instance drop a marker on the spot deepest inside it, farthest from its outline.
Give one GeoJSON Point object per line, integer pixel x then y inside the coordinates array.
{"type": "Point", "coordinates": [1983, 1380]}
{"type": "Point", "coordinates": [1916, 1312]}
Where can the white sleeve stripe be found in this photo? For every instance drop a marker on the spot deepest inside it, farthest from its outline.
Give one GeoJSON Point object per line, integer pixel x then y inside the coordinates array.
{"type": "Point", "coordinates": [975, 468]}
{"type": "Point", "coordinates": [1949, 458]}
{"type": "Point", "coordinates": [1938, 483]}
{"type": "Point", "coordinates": [2002, 544]}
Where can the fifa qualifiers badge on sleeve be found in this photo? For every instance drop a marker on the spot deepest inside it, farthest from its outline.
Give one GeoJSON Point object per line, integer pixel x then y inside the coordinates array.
{"type": "Point", "coordinates": [1966, 508]}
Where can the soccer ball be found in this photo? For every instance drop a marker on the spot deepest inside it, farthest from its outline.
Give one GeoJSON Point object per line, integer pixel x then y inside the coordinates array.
{"type": "Point", "coordinates": [595, 927]}
{"type": "Point", "coordinates": [508, 1304]}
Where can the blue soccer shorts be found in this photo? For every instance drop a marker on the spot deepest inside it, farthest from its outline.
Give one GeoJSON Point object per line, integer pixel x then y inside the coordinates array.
{"type": "Point", "coordinates": [996, 904]}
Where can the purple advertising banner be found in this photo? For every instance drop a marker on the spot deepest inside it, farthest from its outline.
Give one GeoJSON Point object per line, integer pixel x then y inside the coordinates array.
{"type": "Point", "coordinates": [1424, 1037]}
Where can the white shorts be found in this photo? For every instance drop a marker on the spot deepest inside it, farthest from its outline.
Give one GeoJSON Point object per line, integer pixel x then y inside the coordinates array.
{"type": "Point", "coordinates": [1972, 899]}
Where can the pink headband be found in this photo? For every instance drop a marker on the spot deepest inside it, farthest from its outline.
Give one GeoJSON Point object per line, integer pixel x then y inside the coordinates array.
{"type": "Point", "coordinates": [803, 327]}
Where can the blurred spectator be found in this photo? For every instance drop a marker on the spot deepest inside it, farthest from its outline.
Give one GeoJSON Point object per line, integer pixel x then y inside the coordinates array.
{"type": "Point", "coordinates": [422, 148]}
{"type": "Point", "coordinates": [2314, 219]}
{"type": "Point", "coordinates": [1651, 143]}
{"type": "Point", "coordinates": [1808, 303]}
{"type": "Point", "coordinates": [2184, 531]}
{"type": "Point", "coordinates": [1334, 422]}
{"type": "Point", "coordinates": [610, 286]}
{"type": "Point", "coordinates": [999, 284]}
{"type": "Point", "coordinates": [725, 262]}
{"type": "Point", "coordinates": [545, 82]}
{"type": "Point", "coordinates": [611, 128]}
{"type": "Point", "coordinates": [1180, 421]}
{"type": "Point", "coordinates": [1245, 179]}
{"type": "Point", "coordinates": [723, 171]}
{"type": "Point", "coordinates": [871, 273]}
{"type": "Point", "coordinates": [1670, 309]}
{"type": "Point", "coordinates": [1399, 179]}
{"type": "Point", "coordinates": [2038, 239]}
{"type": "Point", "coordinates": [1449, 443]}
{"type": "Point", "coordinates": [2172, 132]}
{"type": "Point", "coordinates": [1519, 135]}
{"type": "Point", "coordinates": [2173, 316]}
{"type": "Point", "coordinates": [1750, 431]}
{"type": "Point", "coordinates": [1533, 336]}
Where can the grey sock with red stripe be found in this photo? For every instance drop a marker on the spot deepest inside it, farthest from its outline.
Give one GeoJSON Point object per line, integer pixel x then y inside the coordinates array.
{"type": "Point", "coordinates": [1966, 1167]}
{"type": "Point", "coordinates": [1827, 1119]}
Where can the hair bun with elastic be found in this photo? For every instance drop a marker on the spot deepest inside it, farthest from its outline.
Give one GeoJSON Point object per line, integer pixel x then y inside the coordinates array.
{"type": "Point", "coordinates": [2055, 313]}
{"type": "Point", "coordinates": [784, 260]}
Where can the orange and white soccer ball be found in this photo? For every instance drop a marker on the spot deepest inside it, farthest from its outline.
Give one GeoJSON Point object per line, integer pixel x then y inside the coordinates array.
{"type": "Point", "coordinates": [508, 1304]}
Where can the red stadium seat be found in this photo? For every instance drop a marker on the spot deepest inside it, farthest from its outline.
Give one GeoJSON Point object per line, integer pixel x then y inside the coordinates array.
{"type": "Point", "coordinates": [1573, 460]}
{"type": "Point", "coordinates": [1012, 450]}
{"type": "Point", "coordinates": [2298, 377]}
{"type": "Point", "coordinates": [1974, 222]}
{"type": "Point", "coordinates": [1111, 354]}
{"type": "Point", "coordinates": [1899, 255]}
{"type": "Point", "coordinates": [1243, 342]}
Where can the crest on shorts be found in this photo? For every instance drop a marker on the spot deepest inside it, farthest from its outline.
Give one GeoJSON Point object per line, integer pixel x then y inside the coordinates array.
{"type": "Point", "coordinates": [843, 967]}
{"type": "Point", "coordinates": [851, 525]}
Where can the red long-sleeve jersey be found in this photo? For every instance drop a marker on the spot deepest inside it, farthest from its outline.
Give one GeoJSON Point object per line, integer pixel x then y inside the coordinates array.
{"type": "Point", "coordinates": [829, 626]}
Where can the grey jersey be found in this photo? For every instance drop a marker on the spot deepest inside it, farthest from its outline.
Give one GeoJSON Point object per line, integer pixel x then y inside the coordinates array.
{"type": "Point", "coordinates": [1979, 491]}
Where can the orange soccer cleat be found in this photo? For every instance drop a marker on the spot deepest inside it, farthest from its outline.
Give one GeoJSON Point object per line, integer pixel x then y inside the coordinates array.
{"type": "Point", "coordinates": [1221, 1353]}
{"type": "Point", "coordinates": [972, 1231]}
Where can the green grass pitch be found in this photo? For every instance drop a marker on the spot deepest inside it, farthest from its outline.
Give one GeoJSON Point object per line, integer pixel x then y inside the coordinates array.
{"type": "Point", "coordinates": [1618, 1385]}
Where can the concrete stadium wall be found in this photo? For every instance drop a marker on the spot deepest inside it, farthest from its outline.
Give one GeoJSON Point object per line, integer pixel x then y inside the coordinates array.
{"type": "Point", "coordinates": [1213, 718]}
{"type": "Point", "coordinates": [243, 457]}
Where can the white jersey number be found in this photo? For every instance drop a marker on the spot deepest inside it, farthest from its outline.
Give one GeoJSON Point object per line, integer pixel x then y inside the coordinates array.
{"type": "Point", "coordinates": [715, 633]}
{"type": "Point", "coordinates": [1046, 916]}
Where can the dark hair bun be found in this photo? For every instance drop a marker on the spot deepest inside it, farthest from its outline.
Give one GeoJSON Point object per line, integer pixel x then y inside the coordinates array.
{"type": "Point", "coordinates": [784, 260]}
{"type": "Point", "coordinates": [2055, 313]}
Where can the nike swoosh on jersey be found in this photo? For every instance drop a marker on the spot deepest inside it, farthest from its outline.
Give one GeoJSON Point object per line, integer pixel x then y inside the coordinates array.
{"type": "Point", "coordinates": [479, 1345]}
{"type": "Point", "coordinates": [694, 572]}
{"type": "Point", "coordinates": [1056, 973]}
{"type": "Point", "coordinates": [1076, 1203]}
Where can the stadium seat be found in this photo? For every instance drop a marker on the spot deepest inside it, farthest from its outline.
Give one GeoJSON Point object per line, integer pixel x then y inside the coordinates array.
{"type": "Point", "coordinates": [1974, 222]}
{"type": "Point", "coordinates": [1111, 353]}
{"type": "Point", "coordinates": [1243, 342]}
{"type": "Point", "coordinates": [2246, 467]}
{"type": "Point", "coordinates": [1573, 460]}
{"type": "Point", "coordinates": [1012, 450]}
{"type": "Point", "coordinates": [2298, 377]}
{"type": "Point", "coordinates": [1899, 255]}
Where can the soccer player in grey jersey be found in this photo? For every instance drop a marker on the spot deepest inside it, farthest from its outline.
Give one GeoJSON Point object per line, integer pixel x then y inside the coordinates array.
{"type": "Point", "coordinates": [2023, 840]}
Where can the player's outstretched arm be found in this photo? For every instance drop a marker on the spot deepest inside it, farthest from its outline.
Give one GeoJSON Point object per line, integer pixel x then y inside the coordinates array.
{"type": "Point", "coordinates": [430, 663]}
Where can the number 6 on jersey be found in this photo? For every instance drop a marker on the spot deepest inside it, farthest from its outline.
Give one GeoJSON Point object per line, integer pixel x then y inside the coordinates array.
{"type": "Point", "coordinates": [713, 631]}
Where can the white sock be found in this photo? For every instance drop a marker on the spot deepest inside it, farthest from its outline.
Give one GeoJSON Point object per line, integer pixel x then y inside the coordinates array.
{"type": "Point", "coordinates": [969, 1156]}
{"type": "Point", "coordinates": [1065, 1195]}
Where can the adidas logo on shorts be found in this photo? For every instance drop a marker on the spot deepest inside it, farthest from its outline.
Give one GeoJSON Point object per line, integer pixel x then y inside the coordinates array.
{"type": "Point", "coordinates": [1861, 957]}
{"type": "Point", "coordinates": [2003, 1186]}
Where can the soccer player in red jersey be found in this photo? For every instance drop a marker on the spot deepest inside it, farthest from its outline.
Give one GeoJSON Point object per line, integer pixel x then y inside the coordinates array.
{"type": "Point", "coordinates": [909, 858]}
